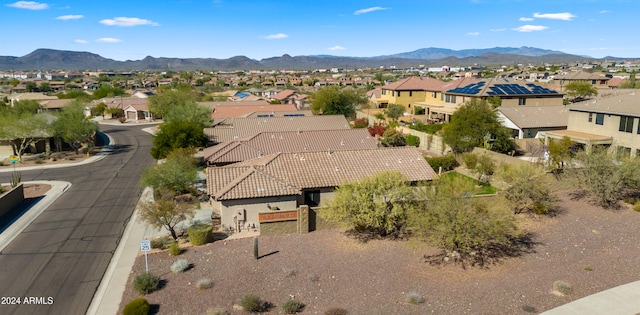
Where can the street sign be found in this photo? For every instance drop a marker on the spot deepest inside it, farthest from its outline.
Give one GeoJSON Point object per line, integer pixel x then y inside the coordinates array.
{"type": "Point", "coordinates": [145, 245]}
{"type": "Point", "coordinates": [14, 159]}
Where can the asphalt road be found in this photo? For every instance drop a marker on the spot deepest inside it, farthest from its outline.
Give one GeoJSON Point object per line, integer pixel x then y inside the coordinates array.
{"type": "Point", "coordinates": [59, 260]}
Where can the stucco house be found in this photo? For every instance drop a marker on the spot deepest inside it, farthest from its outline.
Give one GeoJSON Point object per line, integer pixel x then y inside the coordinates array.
{"type": "Point", "coordinates": [612, 120]}
{"type": "Point", "coordinates": [241, 192]}
{"type": "Point", "coordinates": [528, 121]}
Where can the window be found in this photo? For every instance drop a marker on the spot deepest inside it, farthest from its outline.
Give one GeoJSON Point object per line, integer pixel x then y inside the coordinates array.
{"type": "Point", "coordinates": [453, 98]}
{"type": "Point", "coordinates": [590, 117]}
{"type": "Point", "coordinates": [599, 119]}
{"type": "Point", "coordinates": [593, 82]}
{"type": "Point", "coordinates": [398, 93]}
{"type": "Point", "coordinates": [626, 124]}
{"type": "Point", "coordinates": [384, 92]}
{"type": "Point", "coordinates": [393, 93]}
{"type": "Point", "coordinates": [522, 101]}
{"type": "Point", "coordinates": [410, 93]}
{"type": "Point", "coordinates": [434, 94]}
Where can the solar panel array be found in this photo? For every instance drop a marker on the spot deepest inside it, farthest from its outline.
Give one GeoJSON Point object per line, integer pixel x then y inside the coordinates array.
{"type": "Point", "coordinates": [473, 88]}
{"type": "Point", "coordinates": [517, 89]}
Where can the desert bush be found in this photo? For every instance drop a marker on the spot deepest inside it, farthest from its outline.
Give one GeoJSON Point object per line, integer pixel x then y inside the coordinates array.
{"type": "Point", "coordinates": [200, 234]}
{"type": "Point", "coordinates": [138, 306]}
{"type": "Point", "coordinates": [414, 297]}
{"type": "Point", "coordinates": [288, 272]}
{"type": "Point", "coordinates": [636, 207]}
{"type": "Point", "coordinates": [217, 311]}
{"type": "Point", "coordinates": [412, 140]}
{"type": "Point", "coordinates": [160, 242]}
{"type": "Point", "coordinates": [335, 311]}
{"type": "Point", "coordinates": [253, 303]}
{"type": "Point", "coordinates": [447, 162]}
{"type": "Point", "coordinates": [361, 123]}
{"type": "Point", "coordinates": [313, 277]}
{"type": "Point", "coordinates": [204, 284]}
{"type": "Point", "coordinates": [180, 265]}
{"type": "Point", "coordinates": [2, 189]}
{"type": "Point", "coordinates": [292, 306]}
{"type": "Point", "coordinates": [631, 200]}
{"type": "Point", "coordinates": [174, 249]}
{"type": "Point", "coordinates": [145, 282]}
{"type": "Point", "coordinates": [562, 287]}
{"type": "Point", "coordinates": [39, 161]}
{"type": "Point", "coordinates": [588, 268]}
{"type": "Point", "coordinates": [122, 119]}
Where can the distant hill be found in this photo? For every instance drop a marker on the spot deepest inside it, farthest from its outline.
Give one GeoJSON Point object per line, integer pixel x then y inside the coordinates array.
{"type": "Point", "coordinates": [50, 59]}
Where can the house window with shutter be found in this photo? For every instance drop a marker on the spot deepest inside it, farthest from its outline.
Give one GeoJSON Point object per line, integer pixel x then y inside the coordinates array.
{"type": "Point", "coordinates": [600, 119]}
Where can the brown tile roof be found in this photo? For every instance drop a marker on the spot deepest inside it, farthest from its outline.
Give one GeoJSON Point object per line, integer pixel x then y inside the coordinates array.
{"type": "Point", "coordinates": [55, 104]}
{"type": "Point", "coordinates": [237, 128]}
{"type": "Point", "coordinates": [415, 84]}
{"type": "Point", "coordinates": [537, 116]}
{"type": "Point", "coordinates": [289, 173]}
{"type": "Point", "coordinates": [281, 113]}
{"type": "Point", "coordinates": [266, 143]}
{"type": "Point", "coordinates": [283, 95]}
{"type": "Point", "coordinates": [231, 111]}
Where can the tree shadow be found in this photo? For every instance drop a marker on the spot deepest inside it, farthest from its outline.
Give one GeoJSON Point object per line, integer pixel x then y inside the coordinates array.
{"type": "Point", "coordinates": [366, 235]}
{"type": "Point", "coordinates": [269, 254]}
{"type": "Point", "coordinates": [154, 309]}
{"type": "Point", "coordinates": [218, 236]}
{"type": "Point", "coordinates": [492, 254]}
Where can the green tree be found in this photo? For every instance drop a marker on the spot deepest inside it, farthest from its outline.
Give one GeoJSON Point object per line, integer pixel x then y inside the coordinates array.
{"type": "Point", "coordinates": [73, 127]}
{"type": "Point", "coordinates": [106, 90]}
{"type": "Point", "coordinates": [100, 109]}
{"type": "Point", "coordinates": [166, 211]}
{"type": "Point", "coordinates": [26, 107]}
{"type": "Point", "coordinates": [331, 100]}
{"type": "Point", "coordinates": [600, 175]}
{"type": "Point", "coordinates": [394, 111]}
{"type": "Point", "coordinates": [528, 188]}
{"type": "Point", "coordinates": [393, 138]}
{"type": "Point", "coordinates": [579, 90]}
{"type": "Point", "coordinates": [178, 172]}
{"type": "Point", "coordinates": [31, 86]}
{"type": "Point", "coordinates": [377, 205]}
{"type": "Point", "coordinates": [461, 226]}
{"type": "Point", "coordinates": [175, 135]}
{"type": "Point", "coordinates": [559, 153]}
{"type": "Point", "coordinates": [162, 103]}
{"type": "Point", "coordinates": [45, 87]}
{"type": "Point", "coordinates": [471, 123]}
{"type": "Point", "coordinates": [191, 112]}
{"type": "Point", "coordinates": [24, 130]}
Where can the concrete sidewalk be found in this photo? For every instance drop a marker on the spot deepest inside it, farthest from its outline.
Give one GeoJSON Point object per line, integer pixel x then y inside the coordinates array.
{"type": "Point", "coordinates": [621, 300]}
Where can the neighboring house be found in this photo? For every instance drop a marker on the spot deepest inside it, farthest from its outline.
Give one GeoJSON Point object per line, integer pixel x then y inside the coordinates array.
{"type": "Point", "coordinates": [55, 104]}
{"type": "Point", "coordinates": [527, 121]}
{"type": "Point", "coordinates": [612, 121]}
{"type": "Point", "coordinates": [241, 192]}
{"type": "Point", "coordinates": [232, 111]}
{"type": "Point", "coordinates": [36, 96]}
{"type": "Point", "coordinates": [598, 80]}
{"type": "Point", "coordinates": [237, 128]}
{"type": "Point", "coordinates": [290, 97]}
{"type": "Point", "coordinates": [266, 143]}
{"type": "Point", "coordinates": [279, 113]}
{"type": "Point", "coordinates": [122, 103]}
{"type": "Point", "coordinates": [138, 112]}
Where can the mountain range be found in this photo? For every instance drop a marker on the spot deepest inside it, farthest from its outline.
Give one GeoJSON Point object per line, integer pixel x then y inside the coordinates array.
{"type": "Point", "coordinates": [50, 59]}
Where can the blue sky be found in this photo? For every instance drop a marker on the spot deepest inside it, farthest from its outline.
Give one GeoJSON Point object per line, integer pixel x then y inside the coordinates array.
{"type": "Point", "coordinates": [132, 30]}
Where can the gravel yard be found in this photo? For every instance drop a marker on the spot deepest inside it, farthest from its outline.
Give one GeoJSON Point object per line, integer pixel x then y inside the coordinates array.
{"type": "Point", "coordinates": [591, 248]}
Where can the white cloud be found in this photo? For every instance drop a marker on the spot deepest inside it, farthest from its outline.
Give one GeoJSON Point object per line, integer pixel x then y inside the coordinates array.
{"type": "Point", "coordinates": [565, 16]}
{"type": "Point", "coordinates": [28, 5]}
{"type": "Point", "coordinates": [604, 12]}
{"type": "Point", "coordinates": [276, 36]}
{"type": "Point", "coordinates": [80, 41]}
{"type": "Point", "coordinates": [127, 22]}
{"type": "Point", "coordinates": [473, 33]}
{"type": "Point", "coordinates": [108, 40]}
{"type": "Point", "coordinates": [334, 48]}
{"type": "Point", "coordinates": [367, 10]}
{"type": "Point", "coordinates": [498, 29]}
{"type": "Point", "coordinates": [70, 17]}
{"type": "Point", "coordinates": [525, 19]}
{"type": "Point", "coordinates": [530, 28]}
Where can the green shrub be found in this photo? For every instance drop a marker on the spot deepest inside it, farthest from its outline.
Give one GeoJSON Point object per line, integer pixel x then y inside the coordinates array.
{"type": "Point", "coordinates": [180, 265]}
{"type": "Point", "coordinates": [145, 282]}
{"type": "Point", "coordinates": [631, 200]}
{"type": "Point", "coordinates": [39, 161]}
{"type": "Point", "coordinates": [204, 284]}
{"type": "Point", "coordinates": [413, 141]}
{"type": "Point", "coordinates": [529, 309]}
{"type": "Point", "coordinates": [447, 162]}
{"type": "Point", "coordinates": [636, 207]}
{"type": "Point", "coordinates": [562, 287]}
{"type": "Point", "coordinates": [428, 128]}
{"type": "Point", "coordinates": [540, 208]}
{"type": "Point", "coordinates": [335, 311]}
{"type": "Point", "coordinates": [217, 311]}
{"type": "Point", "coordinates": [292, 306]}
{"type": "Point", "coordinates": [174, 249]}
{"type": "Point", "coordinates": [588, 268]}
{"type": "Point", "coordinates": [200, 234]}
{"type": "Point", "coordinates": [414, 298]}
{"type": "Point", "coordinates": [252, 303]}
{"type": "Point", "coordinates": [380, 116]}
{"type": "Point", "coordinates": [160, 242]}
{"type": "Point", "coordinates": [139, 306]}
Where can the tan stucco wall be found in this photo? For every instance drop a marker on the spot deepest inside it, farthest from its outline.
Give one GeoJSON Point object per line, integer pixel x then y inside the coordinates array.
{"type": "Point", "coordinates": [11, 199]}
{"type": "Point", "coordinates": [231, 208]}
{"type": "Point", "coordinates": [579, 121]}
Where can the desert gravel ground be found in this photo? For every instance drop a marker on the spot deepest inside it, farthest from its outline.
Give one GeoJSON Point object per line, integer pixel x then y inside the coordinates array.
{"type": "Point", "coordinates": [326, 269]}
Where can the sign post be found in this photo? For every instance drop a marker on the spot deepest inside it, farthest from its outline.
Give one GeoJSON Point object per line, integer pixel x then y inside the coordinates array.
{"type": "Point", "coordinates": [14, 159]}
{"type": "Point", "coordinates": [145, 247]}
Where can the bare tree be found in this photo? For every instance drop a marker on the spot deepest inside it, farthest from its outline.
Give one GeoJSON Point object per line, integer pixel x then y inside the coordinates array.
{"type": "Point", "coordinates": [166, 212]}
